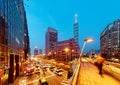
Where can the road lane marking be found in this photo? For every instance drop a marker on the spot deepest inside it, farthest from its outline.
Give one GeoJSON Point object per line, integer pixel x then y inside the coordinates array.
{"type": "Point", "coordinates": [23, 81]}
{"type": "Point", "coordinates": [38, 79]}
{"type": "Point", "coordinates": [33, 81]}
{"type": "Point", "coordinates": [50, 76]}
{"type": "Point", "coordinates": [64, 83]}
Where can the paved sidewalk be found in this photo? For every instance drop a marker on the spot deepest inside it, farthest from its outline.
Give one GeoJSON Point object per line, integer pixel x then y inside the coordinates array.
{"type": "Point", "coordinates": [89, 75]}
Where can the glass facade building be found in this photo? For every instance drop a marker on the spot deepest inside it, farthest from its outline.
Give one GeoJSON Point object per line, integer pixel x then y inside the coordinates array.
{"type": "Point", "coordinates": [14, 39]}
{"type": "Point", "coordinates": [110, 39]}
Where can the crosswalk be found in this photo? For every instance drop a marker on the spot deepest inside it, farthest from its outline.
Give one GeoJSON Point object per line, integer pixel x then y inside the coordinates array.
{"type": "Point", "coordinates": [65, 81]}
{"type": "Point", "coordinates": [23, 81]}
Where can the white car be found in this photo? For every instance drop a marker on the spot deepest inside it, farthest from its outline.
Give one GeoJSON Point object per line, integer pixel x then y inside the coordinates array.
{"type": "Point", "coordinates": [59, 73]}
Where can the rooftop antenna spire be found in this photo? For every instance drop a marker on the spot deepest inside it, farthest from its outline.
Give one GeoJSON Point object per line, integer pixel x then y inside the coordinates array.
{"type": "Point", "coordinates": [76, 18]}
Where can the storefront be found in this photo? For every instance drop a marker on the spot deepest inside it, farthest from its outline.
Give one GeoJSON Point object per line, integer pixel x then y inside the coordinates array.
{"type": "Point", "coordinates": [3, 70]}
{"type": "Point", "coordinates": [1, 73]}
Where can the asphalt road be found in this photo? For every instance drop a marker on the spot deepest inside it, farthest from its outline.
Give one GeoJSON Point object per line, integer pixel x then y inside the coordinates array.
{"type": "Point", "coordinates": [50, 76]}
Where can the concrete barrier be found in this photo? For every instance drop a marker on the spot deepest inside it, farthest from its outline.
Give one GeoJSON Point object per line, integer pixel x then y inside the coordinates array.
{"type": "Point", "coordinates": [113, 71]}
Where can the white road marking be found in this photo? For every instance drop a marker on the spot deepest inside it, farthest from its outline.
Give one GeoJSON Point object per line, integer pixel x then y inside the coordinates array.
{"type": "Point", "coordinates": [23, 81]}
{"type": "Point", "coordinates": [38, 79]}
{"type": "Point", "coordinates": [33, 81]}
{"type": "Point", "coordinates": [50, 76]}
{"type": "Point", "coordinates": [64, 84]}
{"type": "Point", "coordinates": [65, 81]}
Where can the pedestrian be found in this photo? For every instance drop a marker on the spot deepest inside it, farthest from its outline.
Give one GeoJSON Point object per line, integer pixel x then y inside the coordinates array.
{"type": "Point", "coordinates": [43, 72]}
{"type": "Point", "coordinates": [100, 61]}
{"type": "Point", "coordinates": [100, 68]}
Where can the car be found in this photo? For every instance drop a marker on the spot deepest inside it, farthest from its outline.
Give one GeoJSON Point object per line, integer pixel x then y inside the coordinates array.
{"type": "Point", "coordinates": [43, 81]}
{"type": "Point", "coordinates": [45, 66]}
{"type": "Point", "coordinates": [29, 69]}
{"type": "Point", "coordinates": [58, 67]}
{"type": "Point", "coordinates": [52, 68]}
{"type": "Point", "coordinates": [37, 70]}
{"type": "Point", "coordinates": [59, 73]}
{"type": "Point", "coordinates": [44, 69]}
{"type": "Point", "coordinates": [116, 60]}
{"type": "Point", "coordinates": [59, 70]}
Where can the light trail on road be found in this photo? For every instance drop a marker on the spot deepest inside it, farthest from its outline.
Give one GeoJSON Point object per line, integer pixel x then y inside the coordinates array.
{"type": "Point", "coordinates": [33, 81]}
{"type": "Point", "coordinates": [50, 76]}
{"type": "Point", "coordinates": [24, 83]}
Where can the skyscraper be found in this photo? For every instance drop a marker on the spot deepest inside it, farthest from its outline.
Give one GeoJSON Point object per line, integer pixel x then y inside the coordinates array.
{"type": "Point", "coordinates": [14, 39]}
{"type": "Point", "coordinates": [36, 51]}
{"type": "Point", "coordinates": [40, 51]}
{"type": "Point", "coordinates": [51, 40]}
{"type": "Point", "coordinates": [110, 40]}
{"type": "Point", "coordinates": [76, 29]}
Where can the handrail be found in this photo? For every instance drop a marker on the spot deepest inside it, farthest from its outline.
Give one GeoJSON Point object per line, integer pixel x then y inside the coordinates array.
{"type": "Point", "coordinates": [73, 79]}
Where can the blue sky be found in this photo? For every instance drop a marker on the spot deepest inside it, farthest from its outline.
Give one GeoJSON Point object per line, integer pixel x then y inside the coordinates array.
{"type": "Point", "coordinates": [93, 17]}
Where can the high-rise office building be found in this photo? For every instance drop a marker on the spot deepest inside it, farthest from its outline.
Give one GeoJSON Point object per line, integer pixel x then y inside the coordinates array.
{"type": "Point", "coordinates": [51, 40]}
{"type": "Point", "coordinates": [14, 37]}
{"type": "Point", "coordinates": [26, 40]}
{"type": "Point", "coordinates": [110, 39]}
{"type": "Point", "coordinates": [76, 29]}
{"type": "Point", "coordinates": [40, 51]}
{"type": "Point", "coordinates": [35, 51]}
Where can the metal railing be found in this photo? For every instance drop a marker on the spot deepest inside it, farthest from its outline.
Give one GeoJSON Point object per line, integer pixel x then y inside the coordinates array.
{"type": "Point", "coordinates": [73, 79]}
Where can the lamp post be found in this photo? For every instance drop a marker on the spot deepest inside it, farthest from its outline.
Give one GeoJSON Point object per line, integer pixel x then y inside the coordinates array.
{"type": "Point", "coordinates": [85, 41]}
{"type": "Point", "coordinates": [76, 71]}
{"type": "Point", "coordinates": [66, 50]}
{"type": "Point", "coordinates": [72, 55]}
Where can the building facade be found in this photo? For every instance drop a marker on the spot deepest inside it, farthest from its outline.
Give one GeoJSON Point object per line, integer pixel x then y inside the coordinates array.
{"type": "Point", "coordinates": [40, 51]}
{"type": "Point", "coordinates": [66, 50]}
{"type": "Point", "coordinates": [26, 40]}
{"type": "Point", "coordinates": [51, 40]}
{"type": "Point", "coordinates": [36, 51]}
{"type": "Point", "coordinates": [14, 38]}
{"type": "Point", "coordinates": [110, 40]}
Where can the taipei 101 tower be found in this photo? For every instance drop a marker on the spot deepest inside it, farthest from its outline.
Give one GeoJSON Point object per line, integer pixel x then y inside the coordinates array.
{"type": "Point", "coordinates": [76, 29]}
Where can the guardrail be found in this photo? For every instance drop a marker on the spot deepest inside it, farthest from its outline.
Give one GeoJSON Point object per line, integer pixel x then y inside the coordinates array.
{"type": "Point", "coordinates": [108, 68]}
{"type": "Point", "coordinates": [73, 79]}
{"type": "Point", "coordinates": [115, 72]}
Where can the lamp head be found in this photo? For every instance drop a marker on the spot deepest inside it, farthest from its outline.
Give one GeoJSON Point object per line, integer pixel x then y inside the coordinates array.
{"type": "Point", "coordinates": [88, 39]}
{"type": "Point", "coordinates": [66, 49]}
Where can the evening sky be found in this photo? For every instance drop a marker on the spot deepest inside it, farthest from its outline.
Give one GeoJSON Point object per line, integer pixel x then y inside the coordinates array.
{"type": "Point", "coordinates": [93, 17]}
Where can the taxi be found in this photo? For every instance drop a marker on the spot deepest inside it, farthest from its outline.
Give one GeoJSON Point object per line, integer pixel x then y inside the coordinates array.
{"type": "Point", "coordinates": [43, 81]}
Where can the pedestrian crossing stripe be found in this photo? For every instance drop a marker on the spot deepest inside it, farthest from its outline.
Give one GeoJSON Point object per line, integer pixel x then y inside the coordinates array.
{"type": "Point", "coordinates": [64, 84]}
{"type": "Point", "coordinates": [65, 81]}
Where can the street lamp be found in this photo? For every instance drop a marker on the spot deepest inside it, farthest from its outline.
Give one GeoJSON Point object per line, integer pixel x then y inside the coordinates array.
{"type": "Point", "coordinates": [66, 50]}
{"type": "Point", "coordinates": [76, 71]}
{"type": "Point", "coordinates": [85, 41]}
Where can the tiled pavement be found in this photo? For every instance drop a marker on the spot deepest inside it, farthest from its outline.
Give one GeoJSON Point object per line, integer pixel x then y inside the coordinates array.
{"type": "Point", "coordinates": [89, 75]}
